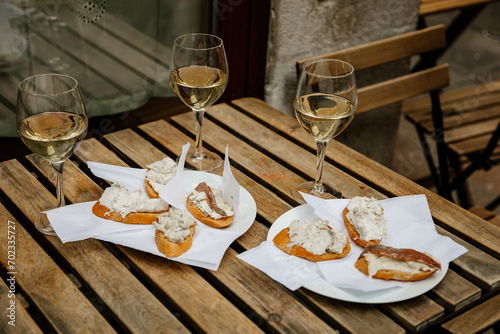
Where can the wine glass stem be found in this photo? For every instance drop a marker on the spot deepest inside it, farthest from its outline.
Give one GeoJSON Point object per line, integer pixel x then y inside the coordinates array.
{"type": "Point", "coordinates": [199, 139]}
{"type": "Point", "coordinates": [320, 158]}
{"type": "Point", "coordinates": [58, 167]}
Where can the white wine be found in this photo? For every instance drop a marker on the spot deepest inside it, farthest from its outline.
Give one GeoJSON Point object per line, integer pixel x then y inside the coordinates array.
{"type": "Point", "coordinates": [198, 86]}
{"type": "Point", "coordinates": [53, 135]}
{"type": "Point", "coordinates": [324, 116]}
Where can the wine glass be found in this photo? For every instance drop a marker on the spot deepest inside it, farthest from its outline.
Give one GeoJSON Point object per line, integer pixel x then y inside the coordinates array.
{"type": "Point", "coordinates": [199, 75]}
{"type": "Point", "coordinates": [325, 103]}
{"type": "Point", "coordinates": [52, 121]}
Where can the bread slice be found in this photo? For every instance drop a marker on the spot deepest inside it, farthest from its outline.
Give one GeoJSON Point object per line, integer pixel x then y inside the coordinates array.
{"type": "Point", "coordinates": [400, 255]}
{"type": "Point", "coordinates": [174, 249]}
{"type": "Point", "coordinates": [282, 240]}
{"type": "Point", "coordinates": [132, 218]}
{"type": "Point", "coordinates": [151, 192]}
{"type": "Point", "coordinates": [354, 235]}
{"type": "Point", "coordinates": [205, 219]}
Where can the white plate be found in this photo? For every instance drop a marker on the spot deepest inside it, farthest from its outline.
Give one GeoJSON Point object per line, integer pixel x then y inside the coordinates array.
{"type": "Point", "coordinates": [247, 209]}
{"type": "Point", "coordinates": [322, 287]}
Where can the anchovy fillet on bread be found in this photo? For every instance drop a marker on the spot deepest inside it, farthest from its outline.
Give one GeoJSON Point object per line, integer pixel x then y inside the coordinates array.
{"type": "Point", "coordinates": [415, 265]}
{"type": "Point", "coordinates": [223, 219]}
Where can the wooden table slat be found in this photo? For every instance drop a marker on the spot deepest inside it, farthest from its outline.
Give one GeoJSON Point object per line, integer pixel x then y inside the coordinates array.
{"type": "Point", "coordinates": [456, 292]}
{"type": "Point", "coordinates": [15, 315]}
{"type": "Point", "coordinates": [477, 319]}
{"type": "Point", "coordinates": [68, 310]}
{"type": "Point", "coordinates": [417, 313]}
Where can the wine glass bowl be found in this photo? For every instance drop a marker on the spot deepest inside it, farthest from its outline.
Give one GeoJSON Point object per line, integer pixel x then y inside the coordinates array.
{"type": "Point", "coordinates": [325, 104]}
{"type": "Point", "coordinates": [51, 121]}
{"type": "Point", "coordinates": [199, 76]}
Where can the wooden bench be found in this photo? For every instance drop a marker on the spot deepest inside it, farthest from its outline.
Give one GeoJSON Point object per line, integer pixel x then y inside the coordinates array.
{"type": "Point", "coordinates": [486, 214]}
{"type": "Point", "coordinates": [471, 129]}
{"type": "Point", "coordinates": [468, 11]}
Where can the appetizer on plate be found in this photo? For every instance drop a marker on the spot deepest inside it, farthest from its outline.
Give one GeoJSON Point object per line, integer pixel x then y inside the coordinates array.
{"type": "Point", "coordinates": [313, 240]}
{"type": "Point", "coordinates": [364, 221]}
{"type": "Point", "coordinates": [174, 232]}
{"type": "Point", "coordinates": [399, 264]}
{"type": "Point", "coordinates": [209, 207]}
{"type": "Point", "coordinates": [158, 174]}
{"type": "Point", "coordinates": [119, 204]}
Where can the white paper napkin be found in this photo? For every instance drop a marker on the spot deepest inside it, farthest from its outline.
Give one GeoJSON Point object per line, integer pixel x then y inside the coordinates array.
{"type": "Point", "coordinates": [409, 225]}
{"type": "Point", "coordinates": [291, 271]}
{"type": "Point", "coordinates": [131, 178]}
{"type": "Point", "coordinates": [77, 222]}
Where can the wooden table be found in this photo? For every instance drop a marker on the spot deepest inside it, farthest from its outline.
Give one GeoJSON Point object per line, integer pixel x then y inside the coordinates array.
{"type": "Point", "coordinates": [94, 286]}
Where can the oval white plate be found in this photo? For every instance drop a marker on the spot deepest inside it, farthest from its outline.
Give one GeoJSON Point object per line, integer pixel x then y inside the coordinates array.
{"type": "Point", "coordinates": [322, 287]}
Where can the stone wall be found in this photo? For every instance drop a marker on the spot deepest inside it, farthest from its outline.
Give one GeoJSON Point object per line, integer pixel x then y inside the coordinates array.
{"type": "Point", "coordinates": [303, 28]}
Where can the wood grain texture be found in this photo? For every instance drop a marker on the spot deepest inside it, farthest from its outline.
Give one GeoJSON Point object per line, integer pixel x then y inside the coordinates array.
{"type": "Point", "coordinates": [116, 286]}
{"type": "Point", "coordinates": [22, 321]}
{"type": "Point", "coordinates": [456, 292]}
{"type": "Point", "coordinates": [389, 49]}
{"type": "Point", "coordinates": [445, 213]}
{"type": "Point", "coordinates": [353, 317]}
{"type": "Point", "coordinates": [428, 7]}
{"type": "Point", "coordinates": [271, 172]}
{"type": "Point", "coordinates": [415, 314]}
{"type": "Point", "coordinates": [476, 266]}
{"type": "Point", "coordinates": [274, 148]}
{"type": "Point", "coordinates": [68, 310]}
{"type": "Point", "coordinates": [270, 305]}
{"type": "Point", "coordinates": [401, 88]}
{"type": "Point", "coordinates": [477, 319]}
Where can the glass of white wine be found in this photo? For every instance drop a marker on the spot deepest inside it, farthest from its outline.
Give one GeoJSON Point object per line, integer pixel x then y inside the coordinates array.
{"type": "Point", "coordinates": [199, 75]}
{"type": "Point", "coordinates": [325, 102]}
{"type": "Point", "coordinates": [52, 121]}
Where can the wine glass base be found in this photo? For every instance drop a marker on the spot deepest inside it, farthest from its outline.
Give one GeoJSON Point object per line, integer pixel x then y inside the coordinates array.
{"type": "Point", "coordinates": [209, 162]}
{"type": "Point", "coordinates": [328, 192]}
{"type": "Point", "coordinates": [42, 224]}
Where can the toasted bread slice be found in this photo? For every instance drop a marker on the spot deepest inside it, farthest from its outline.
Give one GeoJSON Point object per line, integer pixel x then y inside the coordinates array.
{"type": "Point", "coordinates": [205, 219]}
{"type": "Point", "coordinates": [151, 192]}
{"type": "Point", "coordinates": [174, 249]}
{"type": "Point", "coordinates": [351, 230]}
{"type": "Point", "coordinates": [398, 254]}
{"type": "Point", "coordinates": [282, 240]}
{"type": "Point", "coordinates": [132, 218]}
